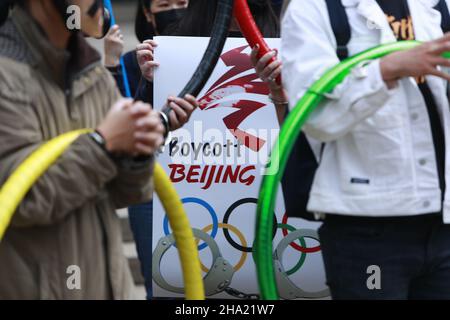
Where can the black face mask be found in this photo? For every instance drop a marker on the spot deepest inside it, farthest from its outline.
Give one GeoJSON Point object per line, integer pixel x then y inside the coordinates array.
{"type": "Point", "coordinates": [165, 18]}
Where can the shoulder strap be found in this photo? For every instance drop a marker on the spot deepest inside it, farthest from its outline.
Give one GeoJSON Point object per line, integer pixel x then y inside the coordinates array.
{"type": "Point", "coordinates": [443, 9]}
{"type": "Point", "coordinates": [340, 25]}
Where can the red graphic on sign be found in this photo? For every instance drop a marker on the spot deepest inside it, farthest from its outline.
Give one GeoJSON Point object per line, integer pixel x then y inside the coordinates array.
{"type": "Point", "coordinates": [212, 174]}
{"type": "Point", "coordinates": [224, 87]}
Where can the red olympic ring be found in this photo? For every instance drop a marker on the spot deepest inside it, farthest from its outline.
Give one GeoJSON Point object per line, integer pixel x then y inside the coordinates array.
{"type": "Point", "coordinates": [293, 244]}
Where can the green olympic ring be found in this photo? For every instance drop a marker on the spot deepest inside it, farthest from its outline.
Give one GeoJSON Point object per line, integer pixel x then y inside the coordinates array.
{"type": "Point", "coordinates": [302, 259]}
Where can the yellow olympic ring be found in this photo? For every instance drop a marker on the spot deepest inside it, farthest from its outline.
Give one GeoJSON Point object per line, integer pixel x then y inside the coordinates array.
{"type": "Point", "coordinates": [241, 237]}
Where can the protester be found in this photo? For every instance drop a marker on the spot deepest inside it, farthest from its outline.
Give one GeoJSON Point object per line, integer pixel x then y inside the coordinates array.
{"type": "Point", "coordinates": [152, 18]}
{"type": "Point", "coordinates": [52, 82]}
{"type": "Point", "coordinates": [382, 174]}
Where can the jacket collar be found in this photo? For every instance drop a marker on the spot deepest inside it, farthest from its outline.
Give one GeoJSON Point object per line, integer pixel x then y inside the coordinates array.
{"type": "Point", "coordinates": [63, 65]}
{"type": "Point", "coordinates": [423, 14]}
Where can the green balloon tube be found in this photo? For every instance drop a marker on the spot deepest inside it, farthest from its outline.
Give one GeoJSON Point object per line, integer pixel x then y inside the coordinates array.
{"type": "Point", "coordinates": [282, 149]}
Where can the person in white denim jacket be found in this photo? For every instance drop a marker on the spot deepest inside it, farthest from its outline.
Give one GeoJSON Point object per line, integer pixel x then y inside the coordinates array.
{"type": "Point", "coordinates": [371, 132]}
{"type": "Point", "coordinates": [378, 178]}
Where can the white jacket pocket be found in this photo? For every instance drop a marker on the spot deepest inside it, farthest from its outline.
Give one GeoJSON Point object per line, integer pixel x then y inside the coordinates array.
{"type": "Point", "coordinates": [379, 143]}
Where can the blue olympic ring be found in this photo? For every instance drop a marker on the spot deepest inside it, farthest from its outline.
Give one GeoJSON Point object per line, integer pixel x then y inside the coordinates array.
{"type": "Point", "coordinates": [215, 220]}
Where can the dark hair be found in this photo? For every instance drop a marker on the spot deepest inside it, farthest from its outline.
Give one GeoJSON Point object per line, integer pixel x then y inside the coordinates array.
{"type": "Point", "coordinates": [142, 28]}
{"type": "Point", "coordinates": [199, 19]}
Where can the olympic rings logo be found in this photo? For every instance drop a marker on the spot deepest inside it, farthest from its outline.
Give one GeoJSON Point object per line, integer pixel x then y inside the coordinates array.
{"type": "Point", "coordinates": [204, 204]}
{"type": "Point", "coordinates": [243, 245]}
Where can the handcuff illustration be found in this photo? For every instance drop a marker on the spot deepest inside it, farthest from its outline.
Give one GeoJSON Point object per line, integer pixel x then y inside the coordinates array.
{"type": "Point", "coordinates": [212, 229]}
{"type": "Point", "coordinates": [216, 279]}
{"type": "Point", "coordinates": [287, 289]}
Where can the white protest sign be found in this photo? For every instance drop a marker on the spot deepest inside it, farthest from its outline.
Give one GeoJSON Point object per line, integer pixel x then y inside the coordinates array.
{"type": "Point", "coordinates": [216, 162]}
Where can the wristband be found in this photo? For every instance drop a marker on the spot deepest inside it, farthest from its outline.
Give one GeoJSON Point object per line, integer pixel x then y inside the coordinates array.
{"type": "Point", "coordinates": [98, 138]}
{"type": "Point", "coordinates": [278, 102]}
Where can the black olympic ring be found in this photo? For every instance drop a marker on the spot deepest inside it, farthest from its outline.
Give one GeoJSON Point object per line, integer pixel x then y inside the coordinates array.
{"type": "Point", "coordinates": [226, 217]}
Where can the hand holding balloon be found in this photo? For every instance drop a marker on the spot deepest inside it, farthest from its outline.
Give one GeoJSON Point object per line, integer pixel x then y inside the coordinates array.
{"type": "Point", "coordinates": [251, 31]}
{"type": "Point", "coordinates": [268, 67]}
{"type": "Point", "coordinates": [181, 110]}
{"type": "Point", "coordinates": [268, 72]}
{"type": "Point", "coordinates": [114, 45]}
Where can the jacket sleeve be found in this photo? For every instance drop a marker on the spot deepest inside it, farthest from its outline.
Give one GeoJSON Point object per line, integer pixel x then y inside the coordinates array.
{"type": "Point", "coordinates": [133, 183]}
{"type": "Point", "coordinates": [74, 180]}
{"type": "Point", "coordinates": [308, 50]}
